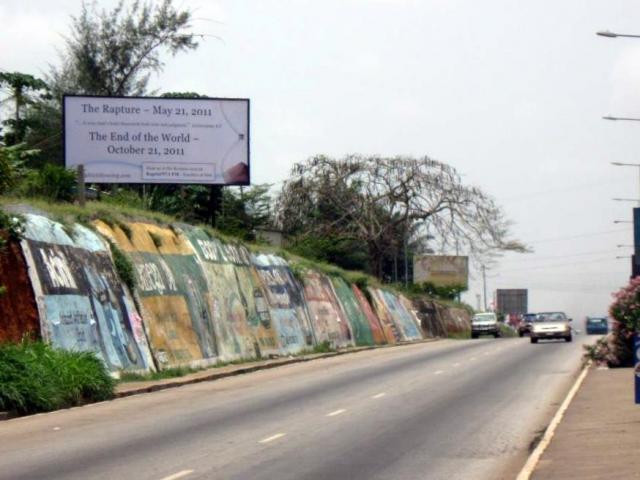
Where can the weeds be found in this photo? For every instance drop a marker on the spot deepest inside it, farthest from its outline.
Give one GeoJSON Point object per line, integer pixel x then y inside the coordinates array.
{"type": "Point", "coordinates": [35, 377]}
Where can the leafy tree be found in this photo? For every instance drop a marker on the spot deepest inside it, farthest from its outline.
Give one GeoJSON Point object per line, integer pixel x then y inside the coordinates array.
{"type": "Point", "coordinates": [24, 90]}
{"type": "Point", "coordinates": [380, 201]}
{"type": "Point", "coordinates": [114, 53]}
{"type": "Point", "coordinates": [244, 210]}
{"type": "Point", "coordinates": [12, 165]}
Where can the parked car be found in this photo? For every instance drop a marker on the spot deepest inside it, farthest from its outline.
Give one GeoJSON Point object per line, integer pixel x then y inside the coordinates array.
{"type": "Point", "coordinates": [551, 325]}
{"type": "Point", "coordinates": [597, 326]}
{"type": "Point", "coordinates": [484, 324]}
{"type": "Point", "coordinates": [525, 325]}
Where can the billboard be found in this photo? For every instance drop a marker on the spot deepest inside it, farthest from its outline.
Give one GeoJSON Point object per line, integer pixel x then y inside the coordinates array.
{"type": "Point", "coordinates": [512, 301]}
{"type": "Point", "coordinates": [441, 270]}
{"type": "Point", "coordinates": [158, 140]}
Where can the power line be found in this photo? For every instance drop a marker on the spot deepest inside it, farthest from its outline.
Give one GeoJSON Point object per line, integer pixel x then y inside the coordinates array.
{"type": "Point", "coordinates": [583, 235]}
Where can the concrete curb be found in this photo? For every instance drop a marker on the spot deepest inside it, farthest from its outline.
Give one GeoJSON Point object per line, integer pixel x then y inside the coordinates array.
{"type": "Point", "coordinates": [550, 431]}
{"type": "Point", "coordinates": [241, 370]}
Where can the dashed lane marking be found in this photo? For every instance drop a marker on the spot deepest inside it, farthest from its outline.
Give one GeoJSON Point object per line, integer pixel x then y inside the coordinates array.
{"type": "Point", "coordinates": [438, 372]}
{"type": "Point", "coordinates": [457, 364]}
{"type": "Point", "coordinates": [336, 412]}
{"type": "Point", "coordinates": [180, 474]}
{"type": "Point", "coordinates": [272, 438]}
{"type": "Point", "coordinates": [379, 395]}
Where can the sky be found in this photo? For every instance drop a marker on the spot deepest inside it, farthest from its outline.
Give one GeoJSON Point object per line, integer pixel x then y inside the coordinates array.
{"type": "Point", "coordinates": [511, 94]}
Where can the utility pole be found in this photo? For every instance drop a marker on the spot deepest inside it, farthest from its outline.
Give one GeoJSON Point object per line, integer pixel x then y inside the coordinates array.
{"type": "Point", "coordinates": [484, 286]}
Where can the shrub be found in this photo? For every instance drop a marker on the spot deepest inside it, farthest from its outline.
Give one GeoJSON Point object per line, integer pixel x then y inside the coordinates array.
{"type": "Point", "coordinates": [625, 311]}
{"type": "Point", "coordinates": [51, 182]}
{"type": "Point", "coordinates": [35, 377]}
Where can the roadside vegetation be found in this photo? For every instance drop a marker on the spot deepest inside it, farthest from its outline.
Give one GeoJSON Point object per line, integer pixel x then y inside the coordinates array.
{"type": "Point", "coordinates": [616, 349]}
{"type": "Point", "coordinates": [35, 377]}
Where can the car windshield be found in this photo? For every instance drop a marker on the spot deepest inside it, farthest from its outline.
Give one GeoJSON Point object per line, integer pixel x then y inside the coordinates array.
{"type": "Point", "coordinates": [551, 317]}
{"type": "Point", "coordinates": [484, 317]}
{"type": "Point", "coordinates": [529, 317]}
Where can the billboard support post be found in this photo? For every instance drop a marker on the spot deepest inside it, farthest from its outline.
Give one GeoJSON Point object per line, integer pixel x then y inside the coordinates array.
{"type": "Point", "coordinates": [81, 186]}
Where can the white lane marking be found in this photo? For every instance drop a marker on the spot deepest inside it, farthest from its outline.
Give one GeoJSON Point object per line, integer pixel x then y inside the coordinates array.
{"type": "Point", "coordinates": [532, 461]}
{"type": "Point", "coordinates": [457, 364]}
{"type": "Point", "coordinates": [272, 438]}
{"type": "Point", "coordinates": [55, 429]}
{"type": "Point", "coordinates": [473, 358]}
{"type": "Point", "coordinates": [487, 353]}
{"type": "Point", "coordinates": [438, 372]}
{"type": "Point", "coordinates": [181, 474]}
{"type": "Point", "coordinates": [336, 412]}
{"type": "Point", "coordinates": [379, 395]}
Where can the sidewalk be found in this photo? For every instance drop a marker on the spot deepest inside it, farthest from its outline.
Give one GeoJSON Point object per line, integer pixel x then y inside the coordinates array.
{"type": "Point", "coordinates": [599, 436]}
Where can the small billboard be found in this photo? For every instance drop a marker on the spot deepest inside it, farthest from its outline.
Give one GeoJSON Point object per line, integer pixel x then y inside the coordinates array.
{"type": "Point", "coordinates": [441, 270]}
{"type": "Point", "coordinates": [158, 140]}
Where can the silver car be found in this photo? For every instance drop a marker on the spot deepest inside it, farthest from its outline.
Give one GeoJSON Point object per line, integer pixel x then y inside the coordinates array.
{"type": "Point", "coordinates": [551, 325]}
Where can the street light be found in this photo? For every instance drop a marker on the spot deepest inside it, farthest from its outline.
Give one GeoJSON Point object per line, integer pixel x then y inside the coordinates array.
{"type": "Point", "coordinates": [624, 246]}
{"type": "Point", "coordinates": [608, 34]}
{"type": "Point", "coordinates": [622, 221]}
{"type": "Point", "coordinates": [636, 165]}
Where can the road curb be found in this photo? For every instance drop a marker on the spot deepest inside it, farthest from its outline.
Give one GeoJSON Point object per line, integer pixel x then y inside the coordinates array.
{"type": "Point", "coordinates": [179, 382]}
{"type": "Point", "coordinates": [534, 458]}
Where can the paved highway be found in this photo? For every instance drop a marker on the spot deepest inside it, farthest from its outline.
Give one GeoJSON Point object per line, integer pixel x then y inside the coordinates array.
{"type": "Point", "coordinates": [452, 409]}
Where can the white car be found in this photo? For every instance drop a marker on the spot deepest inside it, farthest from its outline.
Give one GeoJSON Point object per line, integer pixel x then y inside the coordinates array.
{"type": "Point", "coordinates": [551, 325]}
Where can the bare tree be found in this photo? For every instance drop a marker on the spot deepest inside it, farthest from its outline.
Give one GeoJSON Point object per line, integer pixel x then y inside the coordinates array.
{"type": "Point", "coordinates": [374, 198]}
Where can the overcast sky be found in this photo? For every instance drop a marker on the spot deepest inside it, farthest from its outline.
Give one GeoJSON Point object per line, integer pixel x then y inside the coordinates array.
{"type": "Point", "coordinates": [511, 93]}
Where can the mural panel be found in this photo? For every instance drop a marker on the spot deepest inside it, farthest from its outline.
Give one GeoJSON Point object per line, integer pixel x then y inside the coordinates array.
{"type": "Point", "coordinates": [240, 312]}
{"type": "Point", "coordinates": [327, 318]}
{"type": "Point", "coordinates": [170, 288]}
{"type": "Point", "coordinates": [404, 321]}
{"type": "Point", "coordinates": [357, 319]}
{"type": "Point", "coordinates": [391, 331]}
{"type": "Point", "coordinates": [286, 303]}
{"type": "Point", "coordinates": [81, 301]}
{"type": "Point", "coordinates": [377, 331]}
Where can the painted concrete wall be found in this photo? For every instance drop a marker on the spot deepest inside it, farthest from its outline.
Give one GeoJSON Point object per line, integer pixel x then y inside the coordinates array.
{"type": "Point", "coordinates": [328, 319]}
{"type": "Point", "coordinates": [377, 331]}
{"type": "Point", "coordinates": [81, 303]}
{"type": "Point", "coordinates": [286, 303]}
{"type": "Point", "coordinates": [170, 286]}
{"type": "Point", "coordinates": [198, 300]}
{"type": "Point", "coordinates": [359, 322]}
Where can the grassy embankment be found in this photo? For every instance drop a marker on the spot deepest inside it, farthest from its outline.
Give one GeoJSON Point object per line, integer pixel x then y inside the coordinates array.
{"type": "Point", "coordinates": [35, 377]}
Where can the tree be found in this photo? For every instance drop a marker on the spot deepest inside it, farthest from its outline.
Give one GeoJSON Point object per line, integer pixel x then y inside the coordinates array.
{"type": "Point", "coordinates": [379, 200]}
{"type": "Point", "coordinates": [114, 53]}
{"type": "Point", "coordinates": [23, 91]}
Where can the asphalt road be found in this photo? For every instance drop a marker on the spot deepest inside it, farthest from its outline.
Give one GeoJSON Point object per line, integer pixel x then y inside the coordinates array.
{"type": "Point", "coordinates": [465, 409]}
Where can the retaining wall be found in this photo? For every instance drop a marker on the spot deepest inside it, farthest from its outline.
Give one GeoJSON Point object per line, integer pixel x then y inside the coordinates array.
{"type": "Point", "coordinates": [198, 300]}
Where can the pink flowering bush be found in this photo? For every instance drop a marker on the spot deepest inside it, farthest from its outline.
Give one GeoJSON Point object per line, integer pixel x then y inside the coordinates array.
{"type": "Point", "coordinates": [625, 311]}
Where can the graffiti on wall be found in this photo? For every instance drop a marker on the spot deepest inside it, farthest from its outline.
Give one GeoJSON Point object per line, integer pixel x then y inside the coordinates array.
{"type": "Point", "coordinates": [285, 301]}
{"type": "Point", "coordinates": [377, 331]}
{"type": "Point", "coordinates": [170, 286]}
{"type": "Point", "coordinates": [82, 303]}
{"type": "Point", "coordinates": [240, 313]}
{"type": "Point", "coordinates": [359, 322]}
{"type": "Point", "coordinates": [327, 317]}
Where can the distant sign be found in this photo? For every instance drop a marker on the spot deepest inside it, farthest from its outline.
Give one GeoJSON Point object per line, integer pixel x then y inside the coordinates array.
{"type": "Point", "coordinates": [158, 140]}
{"type": "Point", "coordinates": [512, 301]}
{"type": "Point", "coordinates": [441, 270]}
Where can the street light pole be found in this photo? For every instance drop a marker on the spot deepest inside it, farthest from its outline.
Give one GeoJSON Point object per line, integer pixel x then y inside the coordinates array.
{"type": "Point", "coordinates": [608, 34]}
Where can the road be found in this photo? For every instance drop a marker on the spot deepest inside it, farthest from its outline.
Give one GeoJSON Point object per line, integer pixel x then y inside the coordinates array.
{"type": "Point", "coordinates": [451, 409]}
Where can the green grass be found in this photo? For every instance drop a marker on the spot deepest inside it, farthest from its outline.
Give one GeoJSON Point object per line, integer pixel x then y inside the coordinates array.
{"type": "Point", "coordinates": [35, 377]}
{"type": "Point", "coordinates": [463, 335]}
{"type": "Point", "coordinates": [176, 372]}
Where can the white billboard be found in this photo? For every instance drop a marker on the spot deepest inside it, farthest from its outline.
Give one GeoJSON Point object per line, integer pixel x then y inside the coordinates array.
{"type": "Point", "coordinates": [158, 140]}
{"type": "Point", "coordinates": [441, 270]}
